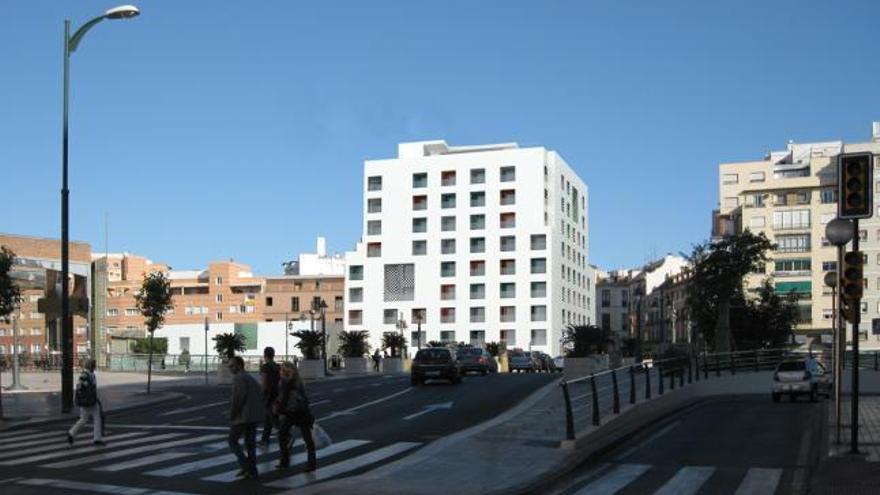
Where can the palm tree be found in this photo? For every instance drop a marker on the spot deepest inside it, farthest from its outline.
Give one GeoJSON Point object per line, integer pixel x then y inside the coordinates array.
{"type": "Point", "coordinates": [227, 344]}
{"type": "Point", "coordinates": [395, 342]}
{"type": "Point", "coordinates": [310, 343]}
{"type": "Point", "coordinates": [354, 343]}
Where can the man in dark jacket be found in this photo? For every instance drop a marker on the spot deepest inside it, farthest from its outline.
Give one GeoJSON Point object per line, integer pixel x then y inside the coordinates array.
{"type": "Point", "coordinates": [245, 412]}
{"type": "Point", "coordinates": [269, 376]}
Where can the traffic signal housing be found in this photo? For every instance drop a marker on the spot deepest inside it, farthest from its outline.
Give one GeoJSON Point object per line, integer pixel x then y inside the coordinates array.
{"type": "Point", "coordinates": [855, 195]}
{"type": "Point", "coordinates": [852, 282]}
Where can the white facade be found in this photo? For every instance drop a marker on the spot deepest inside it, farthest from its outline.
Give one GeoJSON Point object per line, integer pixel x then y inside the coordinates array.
{"type": "Point", "coordinates": [317, 263]}
{"type": "Point", "coordinates": [487, 243]}
{"type": "Point", "coordinates": [192, 338]}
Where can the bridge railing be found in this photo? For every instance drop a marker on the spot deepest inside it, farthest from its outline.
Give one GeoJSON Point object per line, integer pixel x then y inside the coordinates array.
{"type": "Point", "coordinates": [591, 399]}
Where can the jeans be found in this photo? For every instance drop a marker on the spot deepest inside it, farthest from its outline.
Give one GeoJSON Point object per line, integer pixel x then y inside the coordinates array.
{"type": "Point", "coordinates": [249, 430]}
{"type": "Point", "coordinates": [285, 443]}
{"type": "Point", "coordinates": [85, 413]}
{"type": "Point", "coordinates": [268, 423]}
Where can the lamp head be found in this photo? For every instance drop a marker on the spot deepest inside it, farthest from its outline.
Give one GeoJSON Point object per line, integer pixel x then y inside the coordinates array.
{"type": "Point", "coordinates": [122, 12]}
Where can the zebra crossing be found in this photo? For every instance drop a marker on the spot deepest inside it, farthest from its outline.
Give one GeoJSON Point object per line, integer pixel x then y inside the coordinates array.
{"type": "Point", "coordinates": [622, 479]}
{"type": "Point", "coordinates": [147, 455]}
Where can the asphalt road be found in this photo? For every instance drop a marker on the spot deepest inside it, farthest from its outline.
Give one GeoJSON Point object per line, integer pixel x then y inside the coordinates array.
{"type": "Point", "coordinates": [747, 445]}
{"type": "Point", "coordinates": [180, 446]}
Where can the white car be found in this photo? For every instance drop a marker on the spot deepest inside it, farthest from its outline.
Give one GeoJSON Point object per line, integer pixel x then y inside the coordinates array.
{"type": "Point", "coordinates": [792, 378]}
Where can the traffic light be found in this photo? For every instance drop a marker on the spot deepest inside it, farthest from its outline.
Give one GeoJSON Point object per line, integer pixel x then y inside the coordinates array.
{"type": "Point", "coordinates": [855, 195]}
{"type": "Point", "coordinates": [849, 311]}
{"type": "Point", "coordinates": [852, 283]}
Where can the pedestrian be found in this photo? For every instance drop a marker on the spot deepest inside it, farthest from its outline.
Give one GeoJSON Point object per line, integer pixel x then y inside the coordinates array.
{"type": "Point", "coordinates": [86, 397]}
{"type": "Point", "coordinates": [376, 359]}
{"type": "Point", "coordinates": [269, 378]}
{"type": "Point", "coordinates": [813, 369]}
{"type": "Point", "coordinates": [184, 360]}
{"type": "Point", "coordinates": [245, 412]}
{"type": "Point", "coordinates": [292, 408]}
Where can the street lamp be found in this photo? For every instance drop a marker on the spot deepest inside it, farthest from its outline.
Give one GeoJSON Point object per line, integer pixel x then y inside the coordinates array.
{"type": "Point", "coordinates": [401, 325]}
{"type": "Point", "coordinates": [419, 328]}
{"type": "Point", "coordinates": [322, 306]}
{"type": "Point", "coordinates": [70, 45]}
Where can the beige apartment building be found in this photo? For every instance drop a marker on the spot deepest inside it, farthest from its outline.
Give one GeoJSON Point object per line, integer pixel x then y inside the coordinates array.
{"type": "Point", "coordinates": [790, 195]}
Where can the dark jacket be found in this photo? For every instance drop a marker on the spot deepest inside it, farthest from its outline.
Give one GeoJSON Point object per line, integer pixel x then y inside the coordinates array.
{"type": "Point", "coordinates": [246, 405]}
{"type": "Point", "coordinates": [272, 377]}
{"type": "Point", "coordinates": [284, 405]}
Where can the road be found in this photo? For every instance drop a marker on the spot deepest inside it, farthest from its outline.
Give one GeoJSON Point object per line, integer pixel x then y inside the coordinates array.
{"type": "Point", "coordinates": [747, 445]}
{"type": "Point", "coordinates": [181, 446]}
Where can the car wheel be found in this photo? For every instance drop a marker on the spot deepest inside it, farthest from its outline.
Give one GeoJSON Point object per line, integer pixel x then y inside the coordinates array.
{"type": "Point", "coordinates": [775, 397]}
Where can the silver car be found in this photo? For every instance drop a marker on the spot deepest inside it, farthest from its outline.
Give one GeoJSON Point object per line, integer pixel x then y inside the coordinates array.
{"type": "Point", "coordinates": [792, 378]}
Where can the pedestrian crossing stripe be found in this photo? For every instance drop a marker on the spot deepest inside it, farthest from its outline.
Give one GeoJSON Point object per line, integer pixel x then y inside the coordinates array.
{"type": "Point", "coordinates": [688, 480]}
{"type": "Point", "coordinates": [33, 436]}
{"type": "Point", "coordinates": [201, 464]}
{"type": "Point", "coordinates": [94, 487]}
{"type": "Point", "coordinates": [758, 481]}
{"type": "Point", "coordinates": [49, 438]}
{"type": "Point", "coordinates": [79, 461]}
{"type": "Point", "coordinates": [61, 445]}
{"type": "Point", "coordinates": [14, 433]}
{"type": "Point", "coordinates": [90, 449]}
{"type": "Point", "coordinates": [143, 461]}
{"type": "Point", "coordinates": [615, 480]}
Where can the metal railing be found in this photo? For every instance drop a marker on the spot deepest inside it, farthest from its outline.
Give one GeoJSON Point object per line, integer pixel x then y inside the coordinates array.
{"type": "Point", "coordinates": [868, 360]}
{"type": "Point", "coordinates": [590, 399]}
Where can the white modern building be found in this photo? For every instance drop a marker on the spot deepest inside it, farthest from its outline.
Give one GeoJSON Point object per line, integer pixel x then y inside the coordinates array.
{"type": "Point", "coordinates": [478, 243]}
{"type": "Point", "coordinates": [318, 263]}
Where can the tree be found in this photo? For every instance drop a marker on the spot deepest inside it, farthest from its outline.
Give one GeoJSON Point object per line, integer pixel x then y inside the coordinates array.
{"type": "Point", "coordinates": [227, 344]}
{"type": "Point", "coordinates": [765, 322]}
{"type": "Point", "coordinates": [394, 342]}
{"type": "Point", "coordinates": [718, 269]}
{"type": "Point", "coordinates": [586, 340]}
{"type": "Point", "coordinates": [150, 346]}
{"type": "Point", "coordinates": [10, 293]}
{"type": "Point", "coordinates": [496, 348]}
{"type": "Point", "coordinates": [354, 343]}
{"type": "Point", "coordinates": [310, 343]}
{"type": "Point", "coordinates": [153, 300]}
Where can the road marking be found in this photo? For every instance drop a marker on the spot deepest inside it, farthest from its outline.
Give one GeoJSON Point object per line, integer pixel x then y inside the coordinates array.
{"type": "Point", "coordinates": [194, 408]}
{"type": "Point", "coordinates": [143, 461]}
{"type": "Point", "coordinates": [427, 409]}
{"type": "Point", "coordinates": [192, 420]}
{"type": "Point", "coordinates": [87, 450]}
{"type": "Point", "coordinates": [58, 434]}
{"type": "Point", "coordinates": [55, 437]}
{"type": "Point", "coordinates": [759, 481]}
{"type": "Point", "coordinates": [376, 384]}
{"type": "Point", "coordinates": [62, 445]}
{"type": "Point", "coordinates": [14, 433]}
{"type": "Point", "coordinates": [172, 427]}
{"type": "Point", "coordinates": [345, 466]}
{"type": "Point", "coordinates": [335, 448]}
{"type": "Point", "coordinates": [686, 481]}
{"type": "Point", "coordinates": [615, 480]}
{"type": "Point", "coordinates": [95, 487]}
{"type": "Point", "coordinates": [666, 429]}
{"type": "Point", "coordinates": [366, 404]}
{"type": "Point", "coordinates": [210, 462]}
{"type": "Point", "coordinates": [135, 450]}
{"type": "Point", "coordinates": [336, 390]}
{"type": "Point", "coordinates": [319, 402]}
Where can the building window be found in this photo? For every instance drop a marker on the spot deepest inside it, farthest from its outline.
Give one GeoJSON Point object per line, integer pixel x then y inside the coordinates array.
{"type": "Point", "coordinates": [793, 243]}
{"type": "Point", "coordinates": [478, 291]}
{"type": "Point", "coordinates": [447, 178]}
{"type": "Point", "coordinates": [828, 266]}
{"type": "Point", "coordinates": [478, 338]}
{"type": "Point", "coordinates": [420, 180]}
{"type": "Point", "coordinates": [508, 290]}
{"type": "Point", "coordinates": [539, 265]}
{"type": "Point", "coordinates": [508, 197]}
{"type": "Point", "coordinates": [356, 272]}
{"type": "Point", "coordinates": [419, 248]}
{"type": "Point", "coordinates": [507, 313]}
{"type": "Point", "coordinates": [508, 336]}
{"type": "Point", "coordinates": [447, 315]}
{"type": "Point", "coordinates": [268, 301]}
{"type": "Point", "coordinates": [447, 224]}
{"type": "Point", "coordinates": [420, 202]}
{"type": "Point", "coordinates": [447, 269]}
{"type": "Point", "coordinates": [781, 199]}
{"type": "Point", "coordinates": [447, 336]}
{"type": "Point", "coordinates": [219, 316]}
{"type": "Point", "coordinates": [355, 317]}
{"type": "Point", "coordinates": [447, 246]}
{"type": "Point", "coordinates": [539, 337]}
{"type": "Point", "coordinates": [131, 312]}
{"type": "Point", "coordinates": [757, 222]}
{"type": "Point", "coordinates": [507, 220]}
{"type": "Point", "coordinates": [539, 289]}
{"type": "Point", "coordinates": [828, 195]}
{"type": "Point", "coordinates": [730, 178]}
{"type": "Point", "coordinates": [418, 315]}
{"type": "Point", "coordinates": [539, 242]}
{"type": "Point", "coordinates": [374, 183]}
{"type": "Point", "coordinates": [294, 303]}
{"type": "Point", "coordinates": [793, 219]}
{"type": "Point", "coordinates": [374, 249]}
{"type": "Point", "coordinates": [374, 205]}
{"type": "Point", "coordinates": [389, 316]}
{"type": "Point", "coordinates": [478, 198]}
{"type": "Point", "coordinates": [792, 266]}
{"type": "Point", "coordinates": [478, 222]}
{"type": "Point", "coordinates": [508, 174]}
{"type": "Point", "coordinates": [447, 292]}
{"type": "Point", "coordinates": [478, 176]}
{"type": "Point", "coordinates": [478, 244]}
{"type": "Point", "coordinates": [374, 227]}
{"type": "Point", "coordinates": [731, 202]}
{"type": "Point", "coordinates": [356, 294]}
{"type": "Point", "coordinates": [478, 268]}
{"type": "Point", "coordinates": [478, 315]}
{"type": "Point", "coordinates": [219, 281]}
{"type": "Point", "coordinates": [419, 225]}
{"type": "Point", "coordinates": [756, 177]}
{"type": "Point", "coordinates": [400, 282]}
{"type": "Point", "coordinates": [803, 197]}
{"type": "Point", "coordinates": [447, 201]}
{"type": "Point", "coordinates": [606, 298]}
{"type": "Point", "coordinates": [112, 312]}
{"type": "Point", "coordinates": [758, 200]}
{"type": "Point", "coordinates": [508, 243]}
{"type": "Point", "coordinates": [508, 267]}
{"type": "Point", "coordinates": [539, 313]}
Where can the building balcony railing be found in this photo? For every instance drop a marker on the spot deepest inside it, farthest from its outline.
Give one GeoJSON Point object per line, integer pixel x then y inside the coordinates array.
{"type": "Point", "coordinates": [799, 226]}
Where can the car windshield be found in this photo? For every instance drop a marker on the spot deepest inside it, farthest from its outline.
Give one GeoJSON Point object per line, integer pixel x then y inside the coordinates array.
{"type": "Point", "coordinates": [470, 352]}
{"type": "Point", "coordinates": [433, 355]}
{"type": "Point", "coordinates": [792, 366]}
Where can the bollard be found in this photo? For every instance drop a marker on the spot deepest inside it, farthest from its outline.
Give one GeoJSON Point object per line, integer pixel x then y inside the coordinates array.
{"type": "Point", "coordinates": [647, 383]}
{"type": "Point", "coordinates": [595, 400]}
{"type": "Point", "coordinates": [660, 380]}
{"type": "Point", "coordinates": [569, 416]}
{"type": "Point", "coordinates": [632, 385]}
{"type": "Point", "coordinates": [616, 406]}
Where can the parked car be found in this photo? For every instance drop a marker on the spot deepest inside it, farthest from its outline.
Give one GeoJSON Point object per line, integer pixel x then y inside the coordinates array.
{"type": "Point", "coordinates": [518, 360]}
{"type": "Point", "coordinates": [559, 363]}
{"type": "Point", "coordinates": [544, 362]}
{"type": "Point", "coordinates": [476, 359]}
{"type": "Point", "coordinates": [435, 363]}
{"type": "Point", "coordinates": [792, 378]}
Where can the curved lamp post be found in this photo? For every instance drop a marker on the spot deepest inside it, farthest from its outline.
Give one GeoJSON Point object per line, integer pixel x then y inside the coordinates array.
{"type": "Point", "coordinates": [70, 45]}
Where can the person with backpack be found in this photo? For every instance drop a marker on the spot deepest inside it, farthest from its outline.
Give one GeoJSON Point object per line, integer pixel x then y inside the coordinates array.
{"type": "Point", "coordinates": [292, 408]}
{"type": "Point", "coordinates": [86, 397]}
{"type": "Point", "coordinates": [246, 411]}
{"type": "Point", "coordinates": [269, 376]}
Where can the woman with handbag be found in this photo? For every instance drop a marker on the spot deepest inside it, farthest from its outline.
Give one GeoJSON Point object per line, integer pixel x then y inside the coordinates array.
{"type": "Point", "coordinates": [292, 409]}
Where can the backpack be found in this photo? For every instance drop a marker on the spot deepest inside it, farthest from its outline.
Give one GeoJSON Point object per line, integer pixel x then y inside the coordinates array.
{"type": "Point", "coordinates": [86, 393]}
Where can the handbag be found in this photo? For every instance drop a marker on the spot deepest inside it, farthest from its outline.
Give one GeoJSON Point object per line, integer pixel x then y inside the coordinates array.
{"type": "Point", "coordinates": [320, 437]}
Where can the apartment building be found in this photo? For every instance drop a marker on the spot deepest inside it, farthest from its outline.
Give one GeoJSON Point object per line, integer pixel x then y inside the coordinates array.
{"type": "Point", "coordinates": [613, 289]}
{"type": "Point", "coordinates": [791, 195]}
{"type": "Point", "coordinates": [474, 244]}
{"type": "Point", "coordinates": [39, 332]}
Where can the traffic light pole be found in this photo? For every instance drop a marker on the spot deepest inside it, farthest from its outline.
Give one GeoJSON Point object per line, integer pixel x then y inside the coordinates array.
{"type": "Point", "coordinates": [857, 316]}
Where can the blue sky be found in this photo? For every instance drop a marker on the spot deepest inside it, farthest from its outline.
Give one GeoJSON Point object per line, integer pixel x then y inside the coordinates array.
{"type": "Point", "coordinates": [213, 130]}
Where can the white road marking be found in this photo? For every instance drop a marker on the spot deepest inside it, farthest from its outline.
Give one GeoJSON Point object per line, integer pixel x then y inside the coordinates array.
{"type": "Point", "coordinates": [759, 481]}
{"type": "Point", "coordinates": [194, 408]}
{"type": "Point", "coordinates": [614, 480]}
{"type": "Point", "coordinates": [192, 420]}
{"type": "Point", "coordinates": [686, 481]}
{"type": "Point", "coordinates": [55, 437]}
{"type": "Point", "coordinates": [366, 404]}
{"type": "Point", "coordinates": [319, 402]}
{"type": "Point", "coordinates": [325, 472]}
{"type": "Point", "coordinates": [210, 462]}
{"type": "Point", "coordinates": [79, 461]}
{"type": "Point", "coordinates": [62, 445]}
{"type": "Point", "coordinates": [95, 487]}
{"type": "Point", "coordinates": [428, 409]}
{"type": "Point", "coordinates": [87, 450]}
{"type": "Point", "coordinates": [301, 457]}
{"type": "Point", "coordinates": [56, 434]}
{"type": "Point", "coordinates": [143, 461]}
{"type": "Point", "coordinates": [172, 427]}
{"type": "Point", "coordinates": [666, 429]}
{"type": "Point", "coordinates": [14, 433]}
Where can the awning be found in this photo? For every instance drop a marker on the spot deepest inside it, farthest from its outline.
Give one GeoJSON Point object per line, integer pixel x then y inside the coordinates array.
{"type": "Point", "coordinates": [804, 287]}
